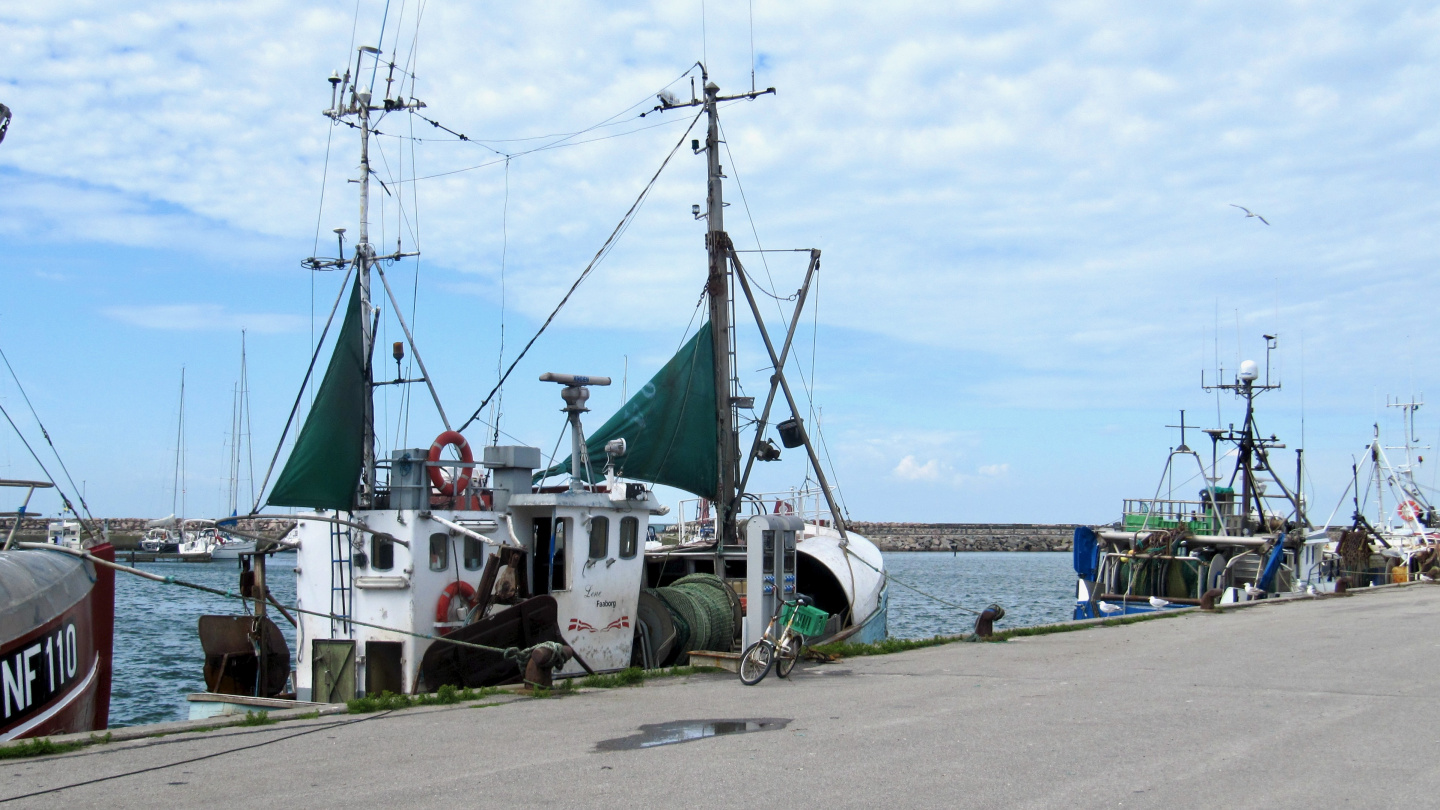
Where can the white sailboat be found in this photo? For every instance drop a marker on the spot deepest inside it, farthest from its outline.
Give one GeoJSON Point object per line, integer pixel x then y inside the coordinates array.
{"type": "Point", "coordinates": [228, 546]}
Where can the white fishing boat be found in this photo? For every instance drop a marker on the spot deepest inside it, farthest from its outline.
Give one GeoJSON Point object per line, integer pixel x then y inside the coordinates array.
{"type": "Point", "coordinates": [1246, 537]}
{"type": "Point", "coordinates": [1394, 533]}
{"type": "Point", "coordinates": [417, 571]}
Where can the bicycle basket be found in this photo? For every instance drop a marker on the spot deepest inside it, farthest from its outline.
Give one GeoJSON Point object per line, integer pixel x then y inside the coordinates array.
{"type": "Point", "coordinates": [809, 621]}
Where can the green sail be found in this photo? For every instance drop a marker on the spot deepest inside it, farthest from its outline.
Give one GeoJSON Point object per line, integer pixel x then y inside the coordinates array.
{"type": "Point", "coordinates": [669, 426]}
{"type": "Point", "coordinates": [323, 470]}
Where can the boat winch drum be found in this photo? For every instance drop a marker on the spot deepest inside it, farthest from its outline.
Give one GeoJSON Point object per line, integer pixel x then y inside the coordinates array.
{"type": "Point", "coordinates": [792, 432]}
{"type": "Point", "coordinates": [437, 478]}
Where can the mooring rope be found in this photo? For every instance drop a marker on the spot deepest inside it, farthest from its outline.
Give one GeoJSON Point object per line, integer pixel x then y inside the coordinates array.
{"type": "Point", "coordinates": [888, 578]}
{"type": "Point", "coordinates": [508, 652]}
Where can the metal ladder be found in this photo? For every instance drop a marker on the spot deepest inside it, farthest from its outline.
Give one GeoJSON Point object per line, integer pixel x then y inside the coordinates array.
{"type": "Point", "coordinates": [340, 578]}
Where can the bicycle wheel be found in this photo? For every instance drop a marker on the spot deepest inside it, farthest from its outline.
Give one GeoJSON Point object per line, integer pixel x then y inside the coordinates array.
{"type": "Point", "coordinates": [756, 662]}
{"type": "Point", "coordinates": [789, 654]}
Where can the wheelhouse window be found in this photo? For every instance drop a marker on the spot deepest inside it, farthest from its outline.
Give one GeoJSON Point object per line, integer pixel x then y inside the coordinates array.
{"type": "Point", "coordinates": [558, 581]}
{"type": "Point", "coordinates": [474, 554]}
{"type": "Point", "coordinates": [599, 537]}
{"type": "Point", "coordinates": [439, 551]}
{"type": "Point", "coordinates": [629, 537]}
{"type": "Point", "coordinates": [382, 553]}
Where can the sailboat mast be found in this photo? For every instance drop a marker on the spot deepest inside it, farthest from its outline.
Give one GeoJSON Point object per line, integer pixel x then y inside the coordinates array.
{"type": "Point", "coordinates": [717, 243]}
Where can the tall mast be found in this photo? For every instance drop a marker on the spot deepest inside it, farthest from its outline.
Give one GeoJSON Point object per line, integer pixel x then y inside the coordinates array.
{"type": "Point", "coordinates": [349, 99]}
{"type": "Point", "coordinates": [717, 288]}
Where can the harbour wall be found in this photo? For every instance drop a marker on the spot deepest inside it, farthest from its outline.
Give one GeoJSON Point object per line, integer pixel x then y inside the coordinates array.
{"type": "Point", "coordinates": [126, 533]}
{"type": "Point", "coordinates": [968, 536]}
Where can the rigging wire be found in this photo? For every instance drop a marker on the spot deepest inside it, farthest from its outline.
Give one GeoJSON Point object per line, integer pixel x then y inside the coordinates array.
{"type": "Point", "coordinates": [46, 434]}
{"type": "Point", "coordinates": [806, 385]}
{"type": "Point", "coordinates": [315, 355]}
{"type": "Point", "coordinates": [599, 256]}
{"type": "Point", "coordinates": [48, 477]}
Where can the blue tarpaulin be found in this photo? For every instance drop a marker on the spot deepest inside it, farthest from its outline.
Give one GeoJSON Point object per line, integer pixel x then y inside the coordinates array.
{"type": "Point", "coordinates": [1272, 565]}
{"type": "Point", "coordinates": [1087, 552]}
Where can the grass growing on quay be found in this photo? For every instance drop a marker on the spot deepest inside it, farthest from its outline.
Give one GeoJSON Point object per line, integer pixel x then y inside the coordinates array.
{"type": "Point", "coordinates": [389, 701]}
{"type": "Point", "coordinates": [846, 649]}
{"type": "Point", "coordinates": [38, 747]}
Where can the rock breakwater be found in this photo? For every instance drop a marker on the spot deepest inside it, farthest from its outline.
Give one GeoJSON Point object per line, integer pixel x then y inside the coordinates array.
{"type": "Point", "coordinates": [968, 536]}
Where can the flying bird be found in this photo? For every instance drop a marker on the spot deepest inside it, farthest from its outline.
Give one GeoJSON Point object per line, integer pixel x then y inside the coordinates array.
{"type": "Point", "coordinates": [1250, 213]}
{"type": "Point", "coordinates": [1157, 603]}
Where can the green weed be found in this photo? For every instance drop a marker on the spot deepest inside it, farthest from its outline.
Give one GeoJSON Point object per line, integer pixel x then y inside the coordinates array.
{"type": "Point", "coordinates": [39, 747]}
{"type": "Point", "coordinates": [257, 719]}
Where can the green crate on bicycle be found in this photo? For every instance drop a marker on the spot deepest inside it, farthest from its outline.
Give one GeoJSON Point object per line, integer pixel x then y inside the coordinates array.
{"type": "Point", "coordinates": [809, 621]}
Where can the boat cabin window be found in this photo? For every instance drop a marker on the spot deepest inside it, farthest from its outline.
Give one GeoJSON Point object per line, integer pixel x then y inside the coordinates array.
{"type": "Point", "coordinates": [557, 555]}
{"type": "Point", "coordinates": [439, 551]}
{"type": "Point", "coordinates": [599, 537]}
{"type": "Point", "coordinates": [474, 554]}
{"type": "Point", "coordinates": [382, 553]}
{"type": "Point", "coordinates": [629, 537]}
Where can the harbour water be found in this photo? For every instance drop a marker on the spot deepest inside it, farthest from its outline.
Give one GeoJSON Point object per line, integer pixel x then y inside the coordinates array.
{"type": "Point", "coordinates": [158, 657]}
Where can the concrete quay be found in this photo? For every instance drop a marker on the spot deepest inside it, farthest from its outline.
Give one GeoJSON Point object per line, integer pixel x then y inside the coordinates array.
{"type": "Point", "coordinates": [1301, 703]}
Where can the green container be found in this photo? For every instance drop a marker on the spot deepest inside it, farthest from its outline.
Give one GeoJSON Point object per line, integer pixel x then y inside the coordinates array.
{"type": "Point", "coordinates": [809, 621]}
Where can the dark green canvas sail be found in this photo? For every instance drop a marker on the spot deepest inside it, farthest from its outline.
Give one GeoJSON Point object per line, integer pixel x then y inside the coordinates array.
{"type": "Point", "coordinates": [668, 426]}
{"type": "Point", "coordinates": [323, 470]}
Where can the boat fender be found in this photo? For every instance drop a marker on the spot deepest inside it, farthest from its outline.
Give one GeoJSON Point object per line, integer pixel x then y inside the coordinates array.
{"type": "Point", "coordinates": [459, 589]}
{"type": "Point", "coordinates": [437, 478]}
{"type": "Point", "coordinates": [1207, 599]}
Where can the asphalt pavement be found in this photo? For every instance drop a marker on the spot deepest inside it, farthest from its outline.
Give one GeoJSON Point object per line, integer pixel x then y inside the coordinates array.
{"type": "Point", "coordinates": [1304, 704]}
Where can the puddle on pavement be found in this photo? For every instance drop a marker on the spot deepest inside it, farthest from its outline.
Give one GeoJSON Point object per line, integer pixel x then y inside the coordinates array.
{"type": "Point", "coordinates": [681, 731]}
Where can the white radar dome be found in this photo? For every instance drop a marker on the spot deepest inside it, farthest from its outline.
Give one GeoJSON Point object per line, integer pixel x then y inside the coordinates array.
{"type": "Point", "coordinates": [1249, 371]}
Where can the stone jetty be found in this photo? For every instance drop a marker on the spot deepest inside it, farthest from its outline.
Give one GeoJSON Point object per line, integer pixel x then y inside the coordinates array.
{"type": "Point", "coordinates": [968, 536]}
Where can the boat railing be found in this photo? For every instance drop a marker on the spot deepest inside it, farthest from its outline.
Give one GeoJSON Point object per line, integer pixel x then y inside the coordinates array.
{"type": "Point", "coordinates": [1196, 517]}
{"type": "Point", "coordinates": [695, 520]}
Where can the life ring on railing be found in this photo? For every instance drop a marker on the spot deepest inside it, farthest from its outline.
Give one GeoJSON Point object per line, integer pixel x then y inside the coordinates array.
{"type": "Point", "coordinates": [1407, 510]}
{"type": "Point", "coordinates": [437, 478]}
{"type": "Point", "coordinates": [446, 603]}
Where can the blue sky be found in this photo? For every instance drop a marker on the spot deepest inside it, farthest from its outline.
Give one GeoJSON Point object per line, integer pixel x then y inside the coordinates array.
{"type": "Point", "coordinates": [1029, 249]}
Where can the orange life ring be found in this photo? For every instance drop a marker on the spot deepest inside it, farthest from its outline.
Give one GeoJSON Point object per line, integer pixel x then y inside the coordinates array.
{"type": "Point", "coordinates": [447, 601]}
{"type": "Point", "coordinates": [1407, 510]}
{"type": "Point", "coordinates": [437, 478]}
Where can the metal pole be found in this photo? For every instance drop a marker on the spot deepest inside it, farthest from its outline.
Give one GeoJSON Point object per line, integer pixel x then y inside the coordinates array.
{"type": "Point", "coordinates": [790, 398]}
{"type": "Point", "coordinates": [416, 349]}
{"type": "Point", "coordinates": [774, 381]}
{"type": "Point", "coordinates": [717, 287]}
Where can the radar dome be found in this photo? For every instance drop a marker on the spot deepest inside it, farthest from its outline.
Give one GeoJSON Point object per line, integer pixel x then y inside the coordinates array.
{"type": "Point", "coordinates": [1249, 371]}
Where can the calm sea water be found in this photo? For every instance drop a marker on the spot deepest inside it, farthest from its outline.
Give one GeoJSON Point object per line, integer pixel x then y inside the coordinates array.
{"type": "Point", "coordinates": [1034, 588]}
{"type": "Point", "coordinates": [158, 658]}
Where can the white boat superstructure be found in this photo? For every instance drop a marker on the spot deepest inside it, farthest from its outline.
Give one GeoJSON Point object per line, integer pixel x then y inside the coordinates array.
{"type": "Point", "coordinates": [419, 571]}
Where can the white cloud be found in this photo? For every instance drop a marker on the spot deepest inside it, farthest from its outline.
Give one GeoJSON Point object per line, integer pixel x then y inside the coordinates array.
{"type": "Point", "coordinates": [205, 317]}
{"type": "Point", "coordinates": [994, 470]}
{"type": "Point", "coordinates": [911, 470]}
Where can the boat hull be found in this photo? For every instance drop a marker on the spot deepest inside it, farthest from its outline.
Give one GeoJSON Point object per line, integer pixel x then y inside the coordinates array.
{"type": "Point", "coordinates": [57, 616]}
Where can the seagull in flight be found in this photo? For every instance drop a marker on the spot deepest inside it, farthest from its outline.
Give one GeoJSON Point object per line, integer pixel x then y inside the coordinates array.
{"type": "Point", "coordinates": [1250, 213]}
{"type": "Point", "coordinates": [1158, 603]}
